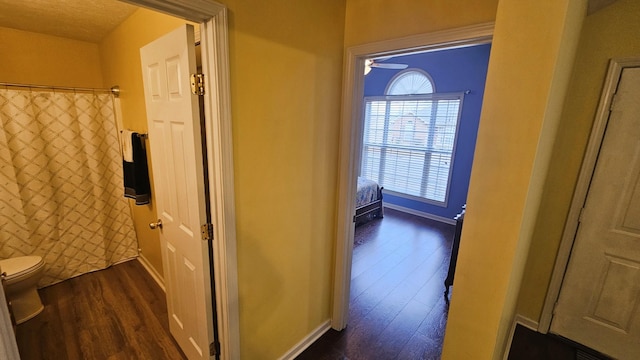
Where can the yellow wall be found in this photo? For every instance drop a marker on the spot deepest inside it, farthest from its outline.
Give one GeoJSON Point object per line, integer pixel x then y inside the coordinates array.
{"type": "Point", "coordinates": [375, 20]}
{"type": "Point", "coordinates": [609, 33]}
{"type": "Point", "coordinates": [286, 73]}
{"type": "Point", "coordinates": [31, 58]}
{"type": "Point", "coordinates": [120, 56]}
{"type": "Point", "coordinates": [526, 82]}
{"type": "Point", "coordinates": [286, 67]}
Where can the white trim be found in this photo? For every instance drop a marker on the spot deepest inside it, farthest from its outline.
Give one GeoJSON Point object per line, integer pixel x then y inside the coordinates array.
{"type": "Point", "coordinates": [582, 187]}
{"type": "Point", "coordinates": [524, 321]}
{"type": "Point", "coordinates": [215, 60]}
{"type": "Point", "coordinates": [351, 139]}
{"type": "Point", "coordinates": [214, 43]}
{"type": "Point", "coordinates": [199, 11]}
{"type": "Point", "coordinates": [425, 215]}
{"type": "Point", "coordinates": [152, 271]}
{"type": "Point", "coordinates": [298, 348]}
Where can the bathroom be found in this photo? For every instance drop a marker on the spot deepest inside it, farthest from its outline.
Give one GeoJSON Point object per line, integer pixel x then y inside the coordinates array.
{"type": "Point", "coordinates": [59, 64]}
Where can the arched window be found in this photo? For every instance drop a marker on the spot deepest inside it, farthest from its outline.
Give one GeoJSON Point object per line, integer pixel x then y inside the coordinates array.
{"type": "Point", "coordinates": [410, 82]}
{"type": "Point", "coordinates": [408, 144]}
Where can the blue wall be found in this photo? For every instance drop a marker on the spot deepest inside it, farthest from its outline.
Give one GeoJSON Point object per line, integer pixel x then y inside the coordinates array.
{"type": "Point", "coordinates": [453, 70]}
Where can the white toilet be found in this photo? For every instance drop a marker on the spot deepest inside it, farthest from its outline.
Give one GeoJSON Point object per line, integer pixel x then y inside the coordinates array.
{"type": "Point", "coordinates": [22, 276]}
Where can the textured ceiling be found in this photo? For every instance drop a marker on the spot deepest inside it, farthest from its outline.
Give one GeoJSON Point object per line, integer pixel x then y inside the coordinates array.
{"type": "Point", "coordinates": [87, 20]}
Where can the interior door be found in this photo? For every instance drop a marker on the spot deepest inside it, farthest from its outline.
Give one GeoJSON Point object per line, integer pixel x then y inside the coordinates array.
{"type": "Point", "coordinates": [600, 294]}
{"type": "Point", "coordinates": [176, 154]}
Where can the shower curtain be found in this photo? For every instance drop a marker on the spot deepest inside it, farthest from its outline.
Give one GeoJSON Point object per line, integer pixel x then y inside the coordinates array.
{"type": "Point", "coordinates": [61, 182]}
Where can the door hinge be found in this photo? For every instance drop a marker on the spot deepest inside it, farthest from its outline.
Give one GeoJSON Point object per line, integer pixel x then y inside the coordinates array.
{"type": "Point", "coordinates": [197, 84]}
{"type": "Point", "coordinates": [214, 348]}
{"type": "Point", "coordinates": [207, 232]}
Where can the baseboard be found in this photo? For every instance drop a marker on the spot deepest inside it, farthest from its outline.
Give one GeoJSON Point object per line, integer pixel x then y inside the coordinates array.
{"type": "Point", "coordinates": [307, 341]}
{"type": "Point", "coordinates": [152, 271]}
{"type": "Point", "coordinates": [425, 215]}
{"type": "Point", "coordinates": [524, 321]}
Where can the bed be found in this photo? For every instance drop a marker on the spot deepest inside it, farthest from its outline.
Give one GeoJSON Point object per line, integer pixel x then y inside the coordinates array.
{"type": "Point", "coordinates": [368, 201]}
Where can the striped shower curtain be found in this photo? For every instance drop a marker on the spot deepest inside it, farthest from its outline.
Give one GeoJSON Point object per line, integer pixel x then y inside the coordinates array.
{"type": "Point", "coordinates": [61, 182]}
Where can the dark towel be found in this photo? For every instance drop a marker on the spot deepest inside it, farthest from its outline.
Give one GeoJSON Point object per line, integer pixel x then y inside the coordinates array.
{"type": "Point", "coordinates": [136, 173]}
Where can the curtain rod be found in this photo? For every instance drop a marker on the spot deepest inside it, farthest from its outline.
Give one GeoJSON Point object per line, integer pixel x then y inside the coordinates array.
{"type": "Point", "coordinates": [115, 90]}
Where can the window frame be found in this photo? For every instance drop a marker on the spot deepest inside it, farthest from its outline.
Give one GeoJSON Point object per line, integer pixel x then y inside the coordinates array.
{"type": "Point", "coordinates": [428, 97]}
{"type": "Point", "coordinates": [403, 73]}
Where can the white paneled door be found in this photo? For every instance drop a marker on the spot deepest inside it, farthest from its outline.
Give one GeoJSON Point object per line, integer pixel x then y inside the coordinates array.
{"type": "Point", "coordinates": [176, 157]}
{"type": "Point", "coordinates": [600, 294]}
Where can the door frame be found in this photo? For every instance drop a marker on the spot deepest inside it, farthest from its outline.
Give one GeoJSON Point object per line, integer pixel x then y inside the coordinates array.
{"type": "Point", "coordinates": [616, 66]}
{"type": "Point", "coordinates": [213, 21]}
{"type": "Point", "coordinates": [351, 128]}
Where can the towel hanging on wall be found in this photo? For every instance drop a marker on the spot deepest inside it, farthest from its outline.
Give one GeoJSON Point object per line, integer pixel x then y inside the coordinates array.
{"type": "Point", "coordinates": [127, 151]}
{"type": "Point", "coordinates": [136, 172]}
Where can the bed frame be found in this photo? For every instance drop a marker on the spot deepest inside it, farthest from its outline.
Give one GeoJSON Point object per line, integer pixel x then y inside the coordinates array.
{"type": "Point", "coordinates": [369, 211]}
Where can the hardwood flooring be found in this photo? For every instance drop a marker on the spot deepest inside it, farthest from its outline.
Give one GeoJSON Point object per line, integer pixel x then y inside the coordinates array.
{"type": "Point", "coordinates": [397, 308]}
{"type": "Point", "coordinates": [531, 345]}
{"type": "Point", "coordinates": [116, 313]}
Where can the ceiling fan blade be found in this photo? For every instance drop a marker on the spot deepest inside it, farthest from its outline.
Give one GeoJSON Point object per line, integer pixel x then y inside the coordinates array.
{"type": "Point", "coordinates": [389, 66]}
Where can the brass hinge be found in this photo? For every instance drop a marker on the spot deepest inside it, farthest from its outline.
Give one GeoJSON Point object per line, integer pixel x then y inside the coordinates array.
{"type": "Point", "coordinates": [197, 84]}
{"type": "Point", "coordinates": [214, 348]}
{"type": "Point", "coordinates": [207, 232]}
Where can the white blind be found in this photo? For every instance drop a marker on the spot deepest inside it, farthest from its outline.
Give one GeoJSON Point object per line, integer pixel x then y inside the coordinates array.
{"type": "Point", "coordinates": [409, 141]}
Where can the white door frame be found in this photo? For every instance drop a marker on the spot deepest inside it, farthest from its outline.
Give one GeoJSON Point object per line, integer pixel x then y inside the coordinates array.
{"type": "Point", "coordinates": [351, 139]}
{"type": "Point", "coordinates": [582, 187]}
{"type": "Point", "coordinates": [214, 44]}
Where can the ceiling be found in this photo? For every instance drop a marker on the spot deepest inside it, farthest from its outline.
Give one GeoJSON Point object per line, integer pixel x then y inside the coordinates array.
{"type": "Point", "coordinates": [86, 20]}
{"type": "Point", "coordinates": [91, 20]}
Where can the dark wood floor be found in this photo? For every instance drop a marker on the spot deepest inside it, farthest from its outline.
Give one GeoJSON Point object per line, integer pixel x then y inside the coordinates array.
{"type": "Point", "coordinates": [531, 345]}
{"type": "Point", "coordinates": [117, 313]}
{"type": "Point", "coordinates": [397, 308]}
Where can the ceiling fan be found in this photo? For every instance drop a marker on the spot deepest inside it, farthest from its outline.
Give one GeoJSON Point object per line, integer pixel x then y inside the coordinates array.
{"type": "Point", "coordinates": [371, 63]}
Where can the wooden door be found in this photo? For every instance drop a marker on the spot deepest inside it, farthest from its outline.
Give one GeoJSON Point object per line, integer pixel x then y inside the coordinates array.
{"type": "Point", "coordinates": [176, 157]}
{"type": "Point", "coordinates": [600, 294]}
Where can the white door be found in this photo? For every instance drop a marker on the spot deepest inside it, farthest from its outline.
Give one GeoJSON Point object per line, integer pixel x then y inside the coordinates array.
{"type": "Point", "coordinates": [598, 302]}
{"type": "Point", "coordinates": [176, 156]}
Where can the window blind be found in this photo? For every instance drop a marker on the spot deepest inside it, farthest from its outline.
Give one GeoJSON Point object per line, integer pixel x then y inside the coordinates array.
{"type": "Point", "coordinates": [409, 142]}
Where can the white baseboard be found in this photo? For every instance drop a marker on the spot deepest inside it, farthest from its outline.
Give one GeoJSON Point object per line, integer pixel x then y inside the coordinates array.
{"type": "Point", "coordinates": [425, 215]}
{"type": "Point", "coordinates": [307, 341]}
{"type": "Point", "coordinates": [524, 321]}
{"type": "Point", "coordinates": [152, 271]}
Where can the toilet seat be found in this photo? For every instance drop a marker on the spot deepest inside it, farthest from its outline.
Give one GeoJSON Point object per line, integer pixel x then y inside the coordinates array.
{"type": "Point", "coordinates": [20, 266]}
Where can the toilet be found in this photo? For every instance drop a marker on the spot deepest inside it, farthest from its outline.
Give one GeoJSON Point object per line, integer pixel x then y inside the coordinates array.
{"type": "Point", "coordinates": [21, 281]}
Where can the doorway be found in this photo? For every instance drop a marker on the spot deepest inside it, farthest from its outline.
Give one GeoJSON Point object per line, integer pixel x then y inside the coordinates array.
{"type": "Point", "coordinates": [212, 16]}
{"type": "Point", "coordinates": [417, 106]}
{"type": "Point", "coordinates": [595, 282]}
{"type": "Point", "coordinates": [352, 142]}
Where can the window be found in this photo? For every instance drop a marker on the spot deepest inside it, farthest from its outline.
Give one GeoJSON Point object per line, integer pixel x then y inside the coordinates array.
{"type": "Point", "coordinates": [410, 82]}
{"type": "Point", "coordinates": [409, 140]}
